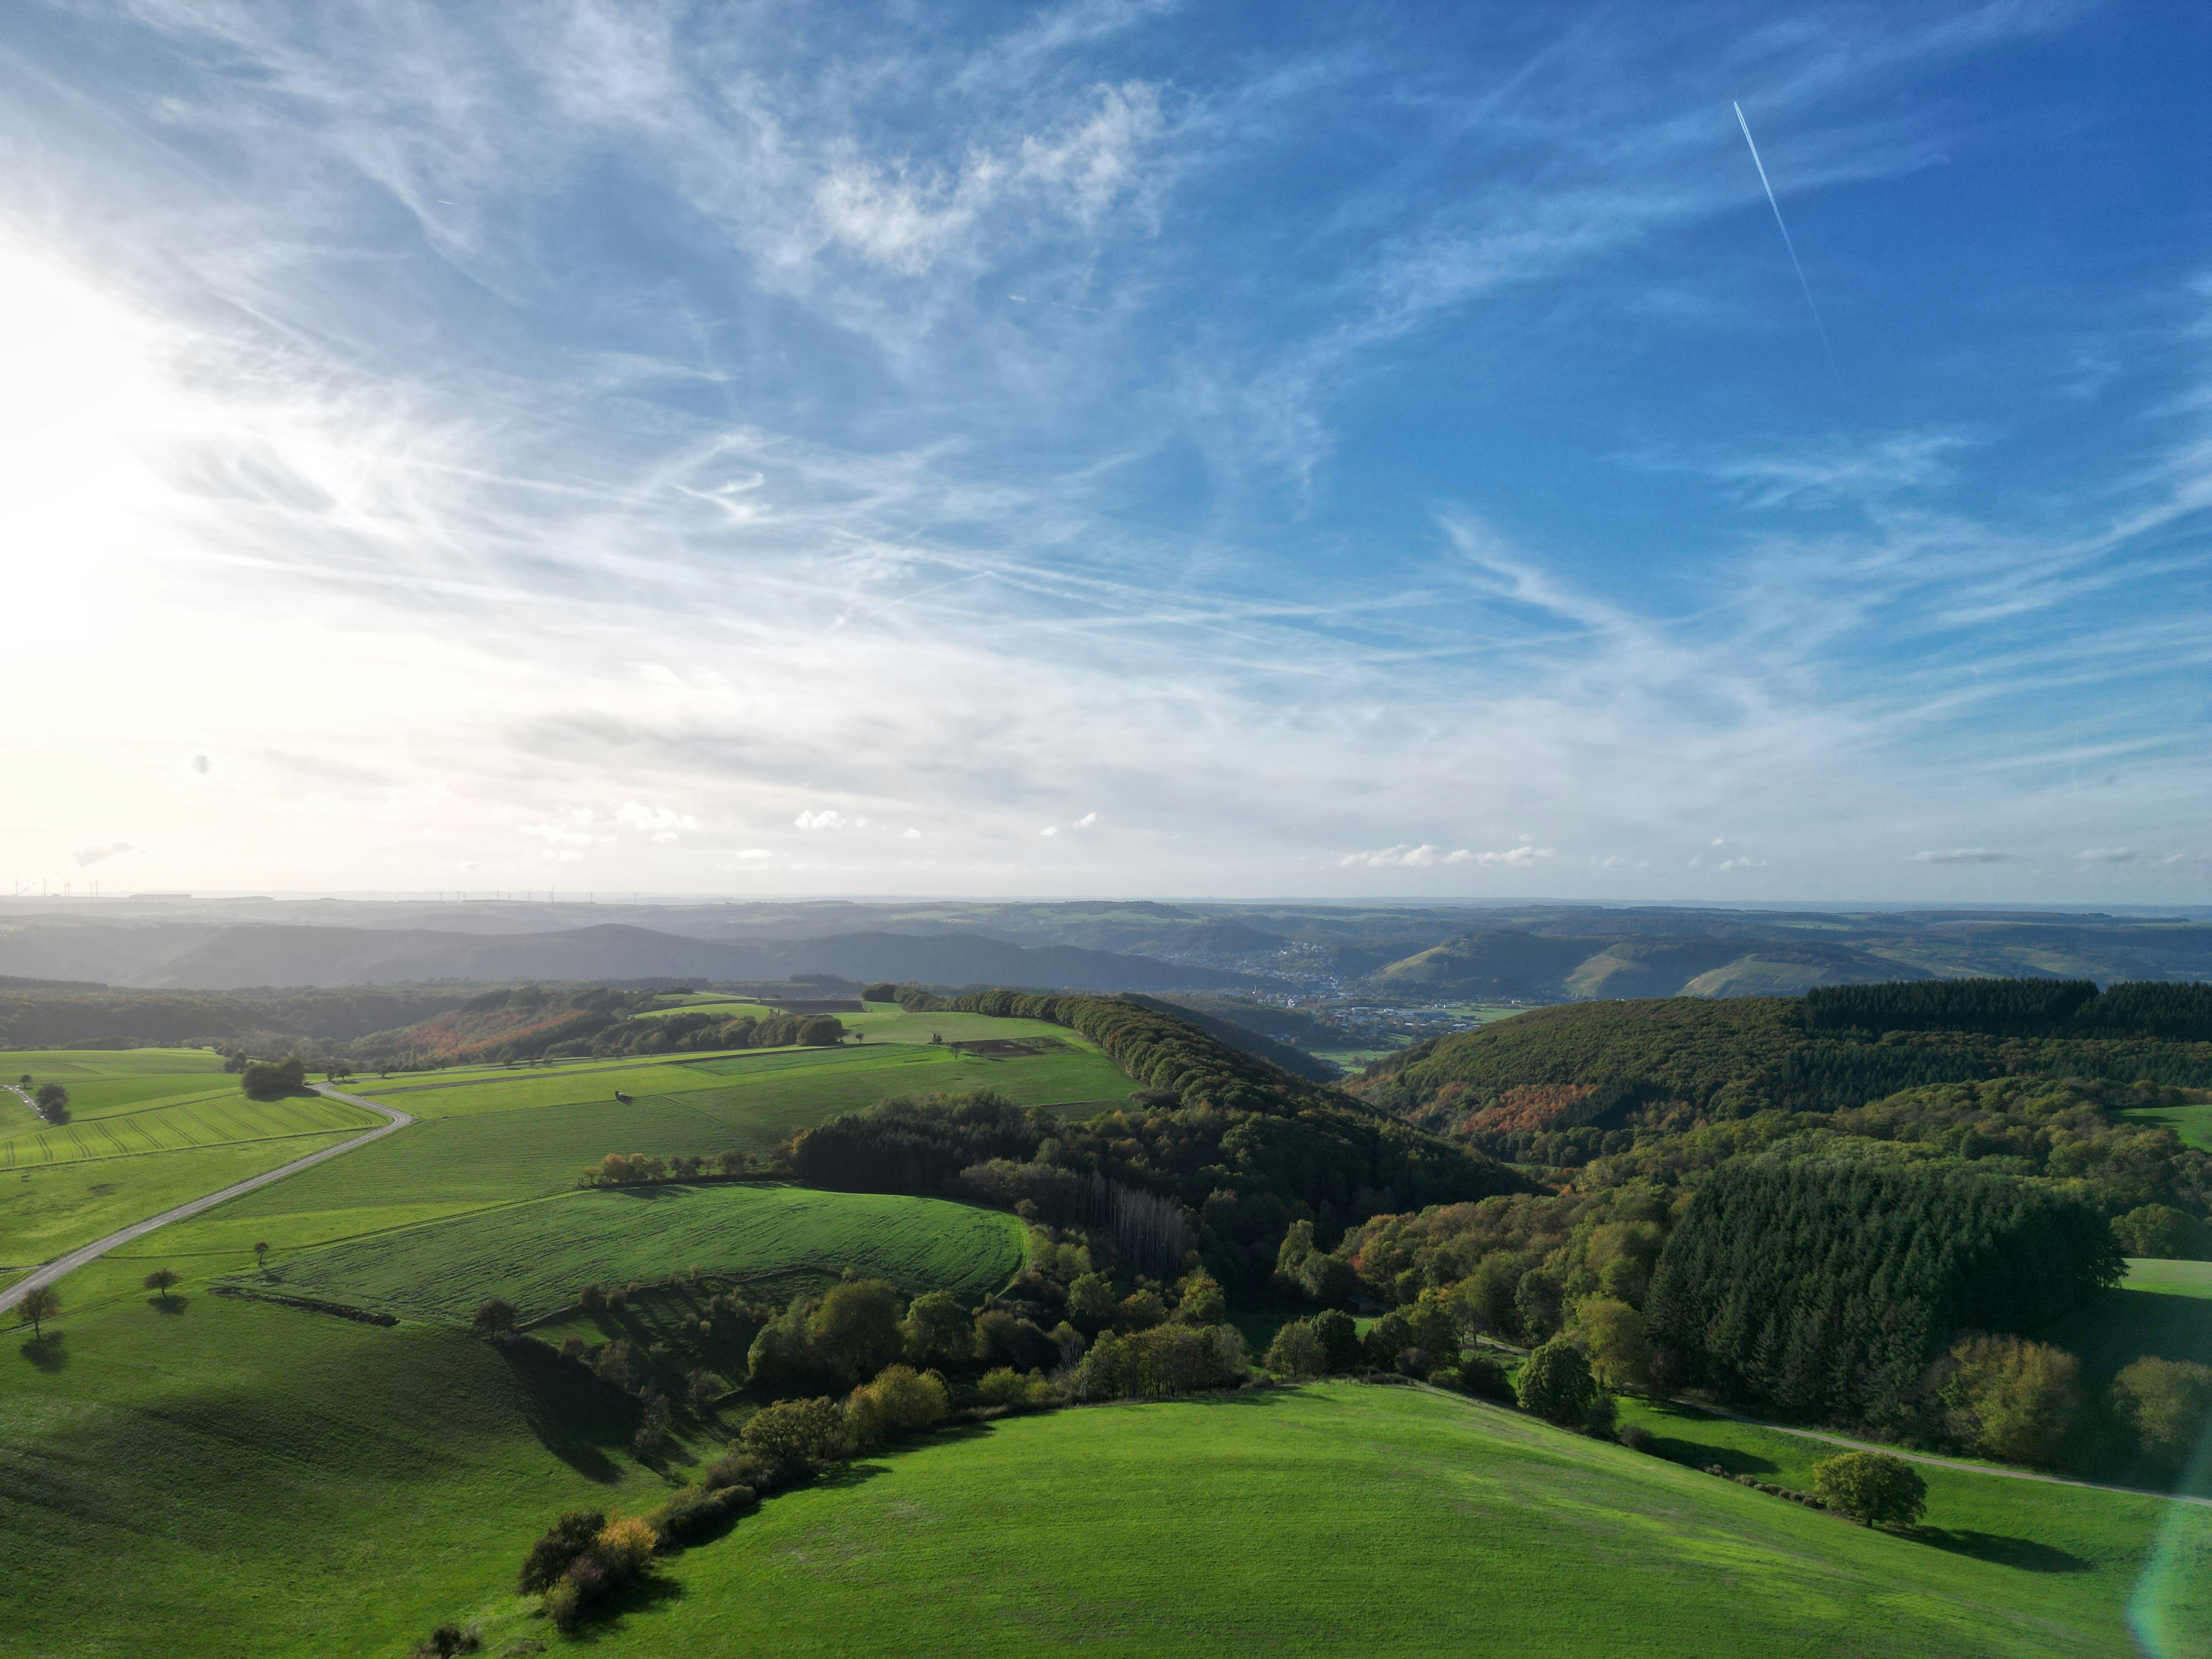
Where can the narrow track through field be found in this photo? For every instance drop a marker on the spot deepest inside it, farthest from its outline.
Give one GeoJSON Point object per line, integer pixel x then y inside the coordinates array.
{"type": "Point", "coordinates": [63, 1265]}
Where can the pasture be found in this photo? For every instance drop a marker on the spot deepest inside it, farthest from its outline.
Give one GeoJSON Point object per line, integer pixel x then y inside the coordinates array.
{"type": "Point", "coordinates": [211, 1119]}
{"type": "Point", "coordinates": [2192, 1122]}
{"type": "Point", "coordinates": [537, 1255]}
{"type": "Point", "coordinates": [216, 1477]}
{"type": "Point", "coordinates": [1355, 1519]}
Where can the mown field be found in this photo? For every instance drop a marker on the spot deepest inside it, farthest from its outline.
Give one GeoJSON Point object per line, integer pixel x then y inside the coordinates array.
{"type": "Point", "coordinates": [1354, 1520]}
{"type": "Point", "coordinates": [2192, 1122]}
{"type": "Point", "coordinates": [537, 1255]}
{"type": "Point", "coordinates": [212, 1119]}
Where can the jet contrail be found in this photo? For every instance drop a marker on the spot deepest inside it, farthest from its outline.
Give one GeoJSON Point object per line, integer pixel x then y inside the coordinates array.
{"type": "Point", "coordinates": [1787, 243]}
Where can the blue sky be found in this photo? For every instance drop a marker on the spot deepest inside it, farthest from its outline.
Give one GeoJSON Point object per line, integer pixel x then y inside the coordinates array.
{"type": "Point", "coordinates": [1114, 448]}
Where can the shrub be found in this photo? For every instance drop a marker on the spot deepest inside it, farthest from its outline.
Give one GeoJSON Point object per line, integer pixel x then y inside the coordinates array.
{"type": "Point", "coordinates": [1555, 1383]}
{"type": "Point", "coordinates": [564, 1606]}
{"type": "Point", "coordinates": [2167, 1403]}
{"type": "Point", "coordinates": [2014, 1399]}
{"type": "Point", "coordinates": [447, 1640]}
{"type": "Point", "coordinates": [1478, 1374]}
{"type": "Point", "coordinates": [1011, 1390]}
{"type": "Point", "coordinates": [1637, 1438]}
{"type": "Point", "coordinates": [1599, 1421]}
{"type": "Point", "coordinates": [691, 1511]}
{"type": "Point", "coordinates": [898, 1402]}
{"type": "Point", "coordinates": [1297, 1352]}
{"type": "Point", "coordinates": [1873, 1487]}
{"type": "Point", "coordinates": [591, 1298]}
{"type": "Point", "coordinates": [796, 1431]}
{"type": "Point", "coordinates": [704, 1389]}
{"type": "Point", "coordinates": [625, 1544]}
{"type": "Point", "coordinates": [563, 1542]}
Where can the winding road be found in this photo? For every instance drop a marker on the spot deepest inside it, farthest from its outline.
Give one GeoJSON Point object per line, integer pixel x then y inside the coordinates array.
{"type": "Point", "coordinates": [69, 1264]}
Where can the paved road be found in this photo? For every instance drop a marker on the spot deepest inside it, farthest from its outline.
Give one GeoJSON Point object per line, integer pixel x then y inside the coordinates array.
{"type": "Point", "coordinates": [77, 1258]}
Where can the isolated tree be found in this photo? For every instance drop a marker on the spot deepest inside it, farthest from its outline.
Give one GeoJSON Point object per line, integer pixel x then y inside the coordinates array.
{"type": "Point", "coordinates": [704, 1389]}
{"type": "Point", "coordinates": [1874, 1487]}
{"type": "Point", "coordinates": [53, 1100]}
{"type": "Point", "coordinates": [1555, 1383]}
{"type": "Point", "coordinates": [261, 1254]}
{"type": "Point", "coordinates": [24, 1081]}
{"type": "Point", "coordinates": [653, 1429]}
{"type": "Point", "coordinates": [496, 1318]}
{"type": "Point", "coordinates": [37, 1307]}
{"type": "Point", "coordinates": [338, 1071]}
{"type": "Point", "coordinates": [161, 1281]}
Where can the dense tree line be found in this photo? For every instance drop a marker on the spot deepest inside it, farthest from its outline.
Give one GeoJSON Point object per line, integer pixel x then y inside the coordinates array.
{"type": "Point", "coordinates": [2016, 1007]}
{"type": "Point", "coordinates": [1825, 1290]}
{"type": "Point", "coordinates": [81, 1017]}
{"type": "Point", "coordinates": [1626, 1062]}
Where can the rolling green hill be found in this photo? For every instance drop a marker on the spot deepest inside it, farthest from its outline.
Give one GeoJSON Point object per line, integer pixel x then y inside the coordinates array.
{"type": "Point", "coordinates": [537, 1255]}
{"type": "Point", "coordinates": [1351, 1519]}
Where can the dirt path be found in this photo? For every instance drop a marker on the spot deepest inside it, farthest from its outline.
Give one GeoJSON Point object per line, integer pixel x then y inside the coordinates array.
{"type": "Point", "coordinates": [1938, 1462]}
{"type": "Point", "coordinates": [69, 1264]}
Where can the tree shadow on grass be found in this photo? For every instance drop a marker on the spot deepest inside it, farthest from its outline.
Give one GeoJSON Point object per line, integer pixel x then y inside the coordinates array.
{"type": "Point", "coordinates": [167, 1303]}
{"type": "Point", "coordinates": [575, 1415]}
{"type": "Point", "coordinates": [643, 1593]}
{"type": "Point", "coordinates": [2024, 1553]}
{"type": "Point", "coordinates": [1700, 1456]}
{"type": "Point", "coordinates": [46, 1351]}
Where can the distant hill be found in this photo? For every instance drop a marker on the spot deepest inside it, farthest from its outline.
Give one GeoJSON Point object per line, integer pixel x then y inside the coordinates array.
{"type": "Point", "coordinates": [1512, 965]}
{"type": "Point", "coordinates": [1238, 1034]}
{"type": "Point", "coordinates": [195, 956]}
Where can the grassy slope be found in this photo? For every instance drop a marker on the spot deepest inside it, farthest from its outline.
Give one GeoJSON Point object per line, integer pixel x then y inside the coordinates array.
{"type": "Point", "coordinates": [1341, 1519]}
{"type": "Point", "coordinates": [537, 1255]}
{"type": "Point", "coordinates": [47, 1210]}
{"type": "Point", "coordinates": [216, 1119]}
{"type": "Point", "coordinates": [231, 1479]}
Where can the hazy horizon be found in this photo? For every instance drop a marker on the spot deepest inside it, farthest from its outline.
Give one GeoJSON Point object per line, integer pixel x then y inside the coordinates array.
{"type": "Point", "coordinates": [1111, 448]}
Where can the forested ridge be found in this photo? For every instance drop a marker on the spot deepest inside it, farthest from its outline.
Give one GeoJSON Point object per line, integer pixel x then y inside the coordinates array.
{"type": "Point", "coordinates": [1240, 1150]}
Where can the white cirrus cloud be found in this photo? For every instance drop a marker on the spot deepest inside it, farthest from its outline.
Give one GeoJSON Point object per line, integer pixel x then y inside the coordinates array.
{"type": "Point", "coordinates": [1961, 855]}
{"type": "Point", "coordinates": [1086, 820]}
{"type": "Point", "coordinates": [1049, 830]}
{"type": "Point", "coordinates": [1511, 856]}
{"type": "Point", "coordinates": [112, 849]}
{"type": "Point", "coordinates": [2109, 855]}
{"type": "Point", "coordinates": [1744, 864]}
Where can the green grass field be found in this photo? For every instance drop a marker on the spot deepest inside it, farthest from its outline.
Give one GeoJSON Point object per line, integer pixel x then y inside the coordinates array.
{"type": "Point", "coordinates": [214, 1119]}
{"type": "Point", "coordinates": [225, 1478]}
{"type": "Point", "coordinates": [1343, 1519]}
{"type": "Point", "coordinates": [2170, 1278]}
{"type": "Point", "coordinates": [537, 1255]}
{"type": "Point", "coordinates": [2193, 1124]}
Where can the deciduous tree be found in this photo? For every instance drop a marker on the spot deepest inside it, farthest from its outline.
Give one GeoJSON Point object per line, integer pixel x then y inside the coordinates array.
{"type": "Point", "coordinates": [1874, 1487]}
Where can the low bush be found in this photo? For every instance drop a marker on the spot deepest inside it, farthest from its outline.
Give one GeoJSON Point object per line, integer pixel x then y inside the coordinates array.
{"type": "Point", "coordinates": [1555, 1384]}
{"type": "Point", "coordinates": [800, 1431]}
{"type": "Point", "coordinates": [1008, 1389]}
{"type": "Point", "coordinates": [563, 1542]}
{"type": "Point", "coordinates": [1637, 1438]}
{"type": "Point", "coordinates": [900, 1401]}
